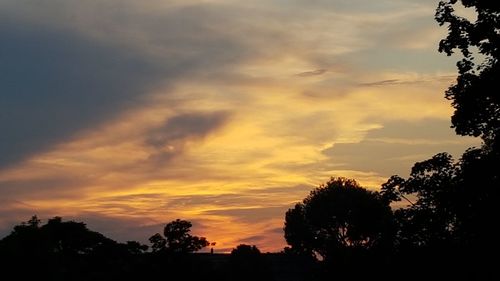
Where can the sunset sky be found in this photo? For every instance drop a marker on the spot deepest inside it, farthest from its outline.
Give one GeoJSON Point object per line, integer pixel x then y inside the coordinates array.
{"type": "Point", "coordinates": [128, 114]}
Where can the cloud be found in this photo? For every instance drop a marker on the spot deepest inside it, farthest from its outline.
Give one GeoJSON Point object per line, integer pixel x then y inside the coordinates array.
{"type": "Point", "coordinates": [249, 196]}
{"type": "Point", "coordinates": [250, 215]}
{"type": "Point", "coordinates": [312, 73]}
{"type": "Point", "coordinates": [186, 126]}
{"type": "Point", "coordinates": [118, 228]}
{"type": "Point", "coordinates": [105, 61]}
{"type": "Point", "coordinates": [427, 131]}
{"type": "Point", "coordinates": [170, 139]}
{"type": "Point", "coordinates": [62, 186]}
{"type": "Point", "coordinates": [382, 83]}
{"type": "Point", "coordinates": [409, 81]}
{"type": "Point", "coordinates": [263, 239]}
{"type": "Point", "coordinates": [211, 201]}
{"type": "Point", "coordinates": [59, 82]}
{"type": "Point", "coordinates": [56, 84]}
{"type": "Point", "coordinates": [394, 148]}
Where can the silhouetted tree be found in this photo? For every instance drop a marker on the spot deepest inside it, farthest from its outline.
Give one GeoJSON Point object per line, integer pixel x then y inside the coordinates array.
{"type": "Point", "coordinates": [34, 222]}
{"type": "Point", "coordinates": [477, 103]}
{"type": "Point", "coordinates": [339, 220]}
{"type": "Point", "coordinates": [63, 250]}
{"type": "Point", "coordinates": [475, 94]}
{"type": "Point", "coordinates": [55, 236]}
{"type": "Point", "coordinates": [72, 237]}
{"type": "Point", "coordinates": [451, 204]}
{"type": "Point", "coordinates": [431, 217]}
{"type": "Point", "coordinates": [245, 252]}
{"type": "Point", "coordinates": [449, 214]}
{"type": "Point", "coordinates": [158, 243]}
{"type": "Point", "coordinates": [177, 239]}
{"type": "Point", "coordinates": [299, 234]}
{"type": "Point", "coordinates": [136, 248]}
{"type": "Point", "coordinates": [247, 263]}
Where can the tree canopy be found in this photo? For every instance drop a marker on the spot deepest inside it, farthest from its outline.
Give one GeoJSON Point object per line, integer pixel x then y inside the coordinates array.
{"type": "Point", "coordinates": [475, 95]}
{"type": "Point", "coordinates": [338, 217]}
{"type": "Point", "coordinates": [177, 238]}
{"type": "Point", "coordinates": [247, 263]}
{"type": "Point", "coordinates": [56, 236]}
{"type": "Point", "coordinates": [451, 202]}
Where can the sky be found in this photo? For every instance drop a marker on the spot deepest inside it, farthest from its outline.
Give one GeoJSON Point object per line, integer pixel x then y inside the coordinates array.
{"type": "Point", "coordinates": [129, 114]}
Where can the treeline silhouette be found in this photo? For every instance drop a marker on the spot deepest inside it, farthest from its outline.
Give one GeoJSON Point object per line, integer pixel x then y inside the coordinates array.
{"type": "Point", "coordinates": [68, 250]}
{"type": "Point", "coordinates": [440, 222]}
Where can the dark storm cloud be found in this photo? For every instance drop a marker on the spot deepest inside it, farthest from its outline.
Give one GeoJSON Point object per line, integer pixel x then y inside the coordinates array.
{"type": "Point", "coordinates": [54, 84]}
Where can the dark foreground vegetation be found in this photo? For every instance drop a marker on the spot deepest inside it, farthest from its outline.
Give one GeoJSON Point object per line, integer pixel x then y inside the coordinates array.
{"type": "Point", "coordinates": [68, 250]}
{"type": "Point", "coordinates": [437, 223]}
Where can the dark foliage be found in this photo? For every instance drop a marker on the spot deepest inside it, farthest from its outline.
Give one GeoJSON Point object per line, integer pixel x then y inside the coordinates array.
{"type": "Point", "coordinates": [341, 224]}
{"type": "Point", "coordinates": [65, 251]}
{"type": "Point", "coordinates": [450, 213]}
{"type": "Point", "coordinates": [68, 250]}
{"type": "Point", "coordinates": [475, 95]}
{"type": "Point", "coordinates": [177, 239]}
{"type": "Point", "coordinates": [247, 263]}
{"type": "Point", "coordinates": [447, 228]}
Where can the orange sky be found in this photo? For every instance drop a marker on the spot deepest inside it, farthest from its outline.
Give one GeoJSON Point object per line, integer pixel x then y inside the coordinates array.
{"type": "Point", "coordinates": [130, 114]}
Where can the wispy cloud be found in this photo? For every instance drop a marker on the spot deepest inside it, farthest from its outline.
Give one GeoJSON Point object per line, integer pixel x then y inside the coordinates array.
{"type": "Point", "coordinates": [408, 81]}
{"type": "Point", "coordinates": [383, 83]}
{"type": "Point", "coordinates": [312, 73]}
